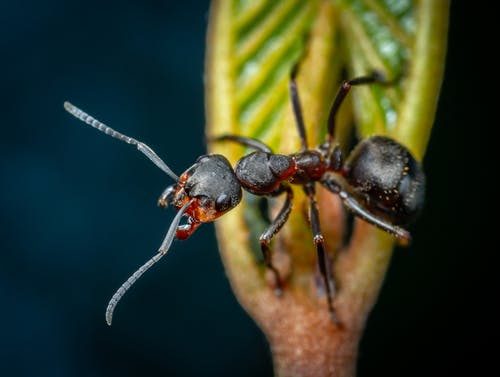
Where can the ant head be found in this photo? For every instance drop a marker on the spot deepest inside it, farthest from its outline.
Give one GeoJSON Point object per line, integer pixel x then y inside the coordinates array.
{"type": "Point", "coordinates": [212, 185]}
{"type": "Point", "coordinates": [205, 191]}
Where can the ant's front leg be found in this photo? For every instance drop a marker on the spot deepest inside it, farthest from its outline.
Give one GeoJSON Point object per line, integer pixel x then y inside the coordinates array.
{"type": "Point", "coordinates": [166, 195]}
{"type": "Point", "coordinates": [274, 227]}
{"type": "Point", "coordinates": [297, 108]}
{"type": "Point", "coordinates": [185, 230]}
{"type": "Point", "coordinates": [245, 141]}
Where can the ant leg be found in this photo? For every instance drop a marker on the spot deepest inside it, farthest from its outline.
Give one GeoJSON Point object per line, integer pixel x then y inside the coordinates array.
{"type": "Point", "coordinates": [184, 231]}
{"type": "Point", "coordinates": [319, 241]}
{"type": "Point", "coordinates": [165, 196]}
{"type": "Point", "coordinates": [297, 110]}
{"type": "Point", "coordinates": [246, 141]}
{"type": "Point", "coordinates": [375, 77]}
{"type": "Point", "coordinates": [270, 232]}
{"type": "Point", "coordinates": [355, 207]}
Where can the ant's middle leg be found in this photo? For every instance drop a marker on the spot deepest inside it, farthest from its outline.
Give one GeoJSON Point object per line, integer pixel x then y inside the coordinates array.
{"type": "Point", "coordinates": [375, 77]}
{"type": "Point", "coordinates": [270, 232]}
{"type": "Point", "coordinates": [319, 241]}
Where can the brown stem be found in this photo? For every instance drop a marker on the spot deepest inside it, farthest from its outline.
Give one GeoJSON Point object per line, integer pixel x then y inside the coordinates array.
{"type": "Point", "coordinates": [307, 344]}
{"type": "Point", "coordinates": [303, 339]}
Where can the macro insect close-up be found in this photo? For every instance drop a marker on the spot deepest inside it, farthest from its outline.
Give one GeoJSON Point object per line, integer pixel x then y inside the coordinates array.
{"type": "Point", "coordinates": [299, 211]}
{"type": "Point", "coordinates": [385, 185]}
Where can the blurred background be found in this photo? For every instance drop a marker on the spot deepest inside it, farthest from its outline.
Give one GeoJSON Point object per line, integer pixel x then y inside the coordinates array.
{"type": "Point", "coordinates": [78, 210]}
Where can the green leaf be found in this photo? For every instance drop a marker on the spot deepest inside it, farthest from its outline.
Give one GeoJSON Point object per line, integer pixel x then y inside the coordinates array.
{"type": "Point", "coordinates": [405, 40]}
{"type": "Point", "coordinates": [252, 47]}
{"type": "Point", "coordinates": [263, 40]}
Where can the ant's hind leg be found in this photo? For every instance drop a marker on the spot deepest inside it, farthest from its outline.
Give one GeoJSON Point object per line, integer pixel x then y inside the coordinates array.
{"type": "Point", "coordinates": [270, 232]}
{"type": "Point", "coordinates": [357, 209]}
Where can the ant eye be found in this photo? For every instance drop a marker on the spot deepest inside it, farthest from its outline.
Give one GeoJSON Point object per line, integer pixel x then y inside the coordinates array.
{"type": "Point", "coordinates": [222, 203]}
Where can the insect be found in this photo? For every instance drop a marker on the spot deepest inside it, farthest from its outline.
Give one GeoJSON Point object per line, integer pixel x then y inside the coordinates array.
{"type": "Point", "coordinates": [379, 182]}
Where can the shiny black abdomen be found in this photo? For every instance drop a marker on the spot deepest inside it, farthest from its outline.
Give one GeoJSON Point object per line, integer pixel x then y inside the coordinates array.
{"type": "Point", "coordinates": [387, 178]}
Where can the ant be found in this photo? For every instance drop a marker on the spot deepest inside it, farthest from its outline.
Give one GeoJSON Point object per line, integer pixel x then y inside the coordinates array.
{"type": "Point", "coordinates": [379, 182]}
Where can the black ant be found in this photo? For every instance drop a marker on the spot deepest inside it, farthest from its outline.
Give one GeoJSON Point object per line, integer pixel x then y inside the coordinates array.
{"type": "Point", "coordinates": [380, 182]}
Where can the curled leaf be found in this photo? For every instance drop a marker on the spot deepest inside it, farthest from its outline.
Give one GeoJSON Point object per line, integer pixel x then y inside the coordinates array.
{"type": "Point", "coordinates": [252, 47]}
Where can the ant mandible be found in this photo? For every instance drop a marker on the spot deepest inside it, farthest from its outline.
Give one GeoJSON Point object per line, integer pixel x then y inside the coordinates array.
{"type": "Point", "coordinates": [379, 182]}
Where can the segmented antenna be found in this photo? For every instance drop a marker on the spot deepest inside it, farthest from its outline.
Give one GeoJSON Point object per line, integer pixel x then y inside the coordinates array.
{"type": "Point", "coordinates": [165, 245]}
{"type": "Point", "coordinates": [83, 116]}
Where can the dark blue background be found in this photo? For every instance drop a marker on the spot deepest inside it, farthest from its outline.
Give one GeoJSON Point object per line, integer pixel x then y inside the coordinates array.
{"type": "Point", "coordinates": [78, 211]}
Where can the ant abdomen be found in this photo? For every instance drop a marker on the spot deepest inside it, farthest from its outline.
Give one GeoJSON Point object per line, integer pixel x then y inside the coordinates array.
{"type": "Point", "coordinates": [387, 178]}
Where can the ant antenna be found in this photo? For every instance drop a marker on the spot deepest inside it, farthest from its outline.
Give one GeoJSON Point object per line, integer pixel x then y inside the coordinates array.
{"type": "Point", "coordinates": [83, 116]}
{"type": "Point", "coordinates": [165, 245]}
